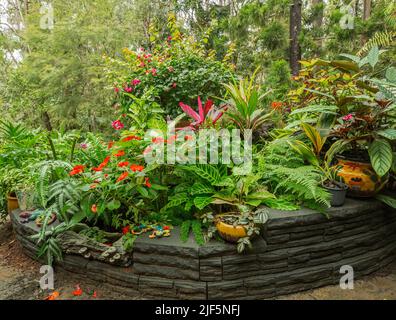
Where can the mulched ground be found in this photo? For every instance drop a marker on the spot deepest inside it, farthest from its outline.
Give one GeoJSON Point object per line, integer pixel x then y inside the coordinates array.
{"type": "Point", "coordinates": [19, 280]}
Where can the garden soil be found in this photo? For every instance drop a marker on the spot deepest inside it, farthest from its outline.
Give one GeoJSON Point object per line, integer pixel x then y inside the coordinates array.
{"type": "Point", "coordinates": [19, 280]}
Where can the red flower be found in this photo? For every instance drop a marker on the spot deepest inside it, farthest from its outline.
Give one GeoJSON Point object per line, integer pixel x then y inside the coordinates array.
{"type": "Point", "coordinates": [146, 182]}
{"type": "Point", "coordinates": [78, 291]}
{"type": "Point", "coordinates": [116, 90]}
{"type": "Point", "coordinates": [141, 64]}
{"type": "Point", "coordinates": [94, 208]}
{"type": "Point", "coordinates": [174, 85]}
{"type": "Point", "coordinates": [128, 89]}
{"type": "Point", "coordinates": [94, 294]}
{"type": "Point", "coordinates": [120, 153]}
{"type": "Point", "coordinates": [166, 228]}
{"type": "Point", "coordinates": [154, 71]}
{"type": "Point", "coordinates": [136, 167]}
{"type": "Point", "coordinates": [158, 140]}
{"type": "Point", "coordinates": [123, 164]}
{"type": "Point", "coordinates": [110, 145]}
{"type": "Point", "coordinates": [122, 176]}
{"type": "Point", "coordinates": [102, 165]}
{"type": "Point", "coordinates": [169, 38]}
{"type": "Point", "coordinates": [126, 229]}
{"type": "Point", "coordinates": [131, 138]}
{"type": "Point", "coordinates": [117, 125]}
{"type": "Point", "coordinates": [77, 170]}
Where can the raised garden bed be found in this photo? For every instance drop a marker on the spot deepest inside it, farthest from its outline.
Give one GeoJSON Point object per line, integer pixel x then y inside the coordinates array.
{"type": "Point", "coordinates": [298, 251]}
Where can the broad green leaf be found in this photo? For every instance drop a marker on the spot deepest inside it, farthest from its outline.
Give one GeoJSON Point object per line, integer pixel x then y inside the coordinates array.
{"type": "Point", "coordinates": [200, 188]}
{"type": "Point", "coordinates": [388, 133]}
{"type": "Point", "coordinates": [381, 156]}
{"type": "Point", "coordinates": [143, 191]}
{"type": "Point", "coordinates": [332, 109]}
{"type": "Point", "coordinates": [113, 205]}
{"type": "Point", "coordinates": [373, 56]}
{"type": "Point", "coordinates": [202, 202]}
{"type": "Point", "coordinates": [261, 195]}
{"type": "Point", "coordinates": [391, 74]}
{"type": "Point", "coordinates": [387, 200]}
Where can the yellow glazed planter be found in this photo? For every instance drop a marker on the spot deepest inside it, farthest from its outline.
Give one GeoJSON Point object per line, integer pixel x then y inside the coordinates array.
{"type": "Point", "coordinates": [361, 178]}
{"type": "Point", "coordinates": [230, 232]}
{"type": "Point", "coordinates": [12, 203]}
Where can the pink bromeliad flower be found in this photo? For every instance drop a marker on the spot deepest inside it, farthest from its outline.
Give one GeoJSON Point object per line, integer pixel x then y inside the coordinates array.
{"type": "Point", "coordinates": [348, 117]}
{"type": "Point", "coordinates": [204, 112]}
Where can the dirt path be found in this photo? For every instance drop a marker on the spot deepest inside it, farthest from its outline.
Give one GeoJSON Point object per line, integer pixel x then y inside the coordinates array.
{"type": "Point", "coordinates": [19, 277]}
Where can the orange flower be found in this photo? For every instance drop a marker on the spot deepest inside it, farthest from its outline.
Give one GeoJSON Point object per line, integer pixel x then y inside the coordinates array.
{"type": "Point", "coordinates": [131, 138]}
{"type": "Point", "coordinates": [123, 164]}
{"type": "Point", "coordinates": [120, 153]}
{"type": "Point", "coordinates": [110, 144]}
{"type": "Point", "coordinates": [92, 186]}
{"type": "Point", "coordinates": [53, 296]}
{"type": "Point", "coordinates": [122, 176]}
{"type": "Point", "coordinates": [146, 182]}
{"type": "Point", "coordinates": [188, 137]}
{"type": "Point", "coordinates": [78, 291]}
{"type": "Point", "coordinates": [77, 170]}
{"type": "Point", "coordinates": [103, 164]}
{"type": "Point", "coordinates": [94, 294]}
{"type": "Point", "coordinates": [276, 105]}
{"type": "Point", "coordinates": [136, 167]}
{"type": "Point", "coordinates": [94, 208]}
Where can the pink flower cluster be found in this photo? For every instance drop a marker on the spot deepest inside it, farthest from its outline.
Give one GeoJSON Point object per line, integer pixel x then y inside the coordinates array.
{"type": "Point", "coordinates": [348, 117]}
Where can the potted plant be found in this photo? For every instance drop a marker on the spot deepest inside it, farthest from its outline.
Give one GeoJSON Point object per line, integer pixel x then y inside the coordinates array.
{"type": "Point", "coordinates": [331, 181]}
{"type": "Point", "coordinates": [357, 110]}
{"type": "Point", "coordinates": [241, 226]}
{"type": "Point", "coordinates": [334, 184]}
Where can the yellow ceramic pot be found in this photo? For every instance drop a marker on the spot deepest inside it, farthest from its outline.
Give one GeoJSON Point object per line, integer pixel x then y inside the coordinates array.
{"type": "Point", "coordinates": [12, 203]}
{"type": "Point", "coordinates": [230, 232]}
{"type": "Point", "coordinates": [360, 177]}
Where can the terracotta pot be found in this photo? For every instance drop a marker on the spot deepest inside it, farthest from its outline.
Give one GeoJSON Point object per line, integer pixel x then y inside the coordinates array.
{"type": "Point", "coordinates": [230, 232]}
{"type": "Point", "coordinates": [360, 177]}
{"type": "Point", "coordinates": [12, 203]}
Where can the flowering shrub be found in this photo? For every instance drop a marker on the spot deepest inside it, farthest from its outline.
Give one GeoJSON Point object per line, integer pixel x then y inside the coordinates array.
{"type": "Point", "coordinates": [178, 69]}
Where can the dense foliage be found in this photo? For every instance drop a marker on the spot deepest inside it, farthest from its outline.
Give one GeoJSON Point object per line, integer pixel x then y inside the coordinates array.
{"type": "Point", "coordinates": [88, 103]}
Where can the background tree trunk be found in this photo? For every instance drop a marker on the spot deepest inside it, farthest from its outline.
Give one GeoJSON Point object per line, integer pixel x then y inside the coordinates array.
{"type": "Point", "coordinates": [47, 121]}
{"type": "Point", "coordinates": [366, 9]}
{"type": "Point", "coordinates": [319, 18]}
{"type": "Point", "coordinates": [295, 29]}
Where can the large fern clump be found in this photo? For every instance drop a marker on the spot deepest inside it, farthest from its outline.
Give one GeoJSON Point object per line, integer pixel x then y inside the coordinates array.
{"type": "Point", "coordinates": [287, 176]}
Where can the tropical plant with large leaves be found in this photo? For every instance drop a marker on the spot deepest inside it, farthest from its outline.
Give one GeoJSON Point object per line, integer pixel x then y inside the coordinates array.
{"type": "Point", "coordinates": [247, 109]}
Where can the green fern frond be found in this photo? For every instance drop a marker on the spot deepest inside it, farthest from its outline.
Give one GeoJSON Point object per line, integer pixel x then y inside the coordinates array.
{"type": "Point", "coordinates": [380, 39]}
